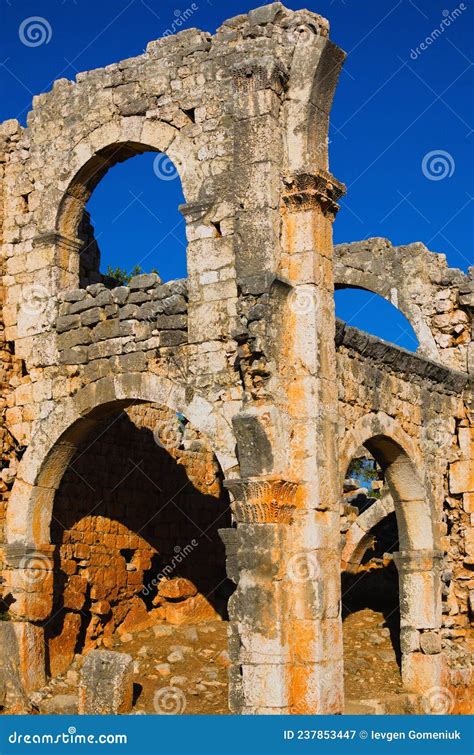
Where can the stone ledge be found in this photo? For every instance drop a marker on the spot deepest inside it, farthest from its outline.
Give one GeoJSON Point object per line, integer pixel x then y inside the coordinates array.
{"type": "Point", "coordinates": [399, 360]}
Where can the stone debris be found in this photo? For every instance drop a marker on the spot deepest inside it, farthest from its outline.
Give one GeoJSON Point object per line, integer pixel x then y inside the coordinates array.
{"type": "Point", "coordinates": [173, 453]}
{"type": "Point", "coordinates": [106, 685]}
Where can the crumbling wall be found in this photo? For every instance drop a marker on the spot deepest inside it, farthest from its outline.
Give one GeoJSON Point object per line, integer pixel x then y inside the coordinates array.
{"type": "Point", "coordinates": [137, 509]}
{"type": "Point", "coordinates": [11, 369]}
{"type": "Point", "coordinates": [244, 349]}
{"type": "Point", "coordinates": [437, 300]}
{"type": "Point", "coordinates": [431, 404]}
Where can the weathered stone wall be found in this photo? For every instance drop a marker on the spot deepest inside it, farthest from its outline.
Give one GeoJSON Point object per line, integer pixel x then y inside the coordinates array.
{"type": "Point", "coordinates": [244, 349]}
{"type": "Point", "coordinates": [431, 406]}
{"type": "Point", "coordinates": [129, 323]}
{"type": "Point", "coordinates": [11, 370]}
{"type": "Point", "coordinates": [437, 300]}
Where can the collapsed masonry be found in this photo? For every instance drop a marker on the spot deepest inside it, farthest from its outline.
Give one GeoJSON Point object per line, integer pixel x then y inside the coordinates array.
{"type": "Point", "coordinates": [230, 401]}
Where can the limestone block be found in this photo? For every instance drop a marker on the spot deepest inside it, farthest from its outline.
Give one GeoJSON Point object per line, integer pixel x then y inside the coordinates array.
{"type": "Point", "coordinates": [468, 503]}
{"type": "Point", "coordinates": [316, 641]}
{"type": "Point", "coordinates": [461, 477]}
{"type": "Point", "coordinates": [430, 643]}
{"type": "Point", "coordinates": [106, 684]}
{"type": "Point", "coordinates": [67, 322]}
{"type": "Point", "coordinates": [143, 281]}
{"type": "Point", "coordinates": [31, 651]}
{"type": "Point", "coordinates": [412, 518]}
{"type": "Point", "coordinates": [316, 688]}
{"type": "Point", "coordinates": [92, 316]}
{"type": "Point", "coordinates": [106, 330]}
{"type": "Point", "coordinates": [409, 639]}
{"type": "Point", "coordinates": [192, 610]}
{"type": "Point", "coordinates": [264, 685]}
{"type": "Point", "coordinates": [421, 673]}
{"type": "Point", "coordinates": [420, 600]}
{"type": "Point", "coordinates": [74, 355]}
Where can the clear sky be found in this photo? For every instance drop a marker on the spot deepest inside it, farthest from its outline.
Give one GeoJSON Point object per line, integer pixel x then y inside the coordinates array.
{"type": "Point", "coordinates": [401, 130]}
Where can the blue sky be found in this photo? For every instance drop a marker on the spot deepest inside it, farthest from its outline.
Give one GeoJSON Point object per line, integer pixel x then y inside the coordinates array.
{"type": "Point", "coordinates": [394, 106]}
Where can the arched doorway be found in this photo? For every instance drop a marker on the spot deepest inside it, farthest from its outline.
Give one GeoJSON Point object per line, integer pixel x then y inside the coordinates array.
{"type": "Point", "coordinates": [418, 557]}
{"type": "Point", "coordinates": [134, 528]}
{"type": "Point", "coordinates": [369, 585]}
{"type": "Point", "coordinates": [118, 520]}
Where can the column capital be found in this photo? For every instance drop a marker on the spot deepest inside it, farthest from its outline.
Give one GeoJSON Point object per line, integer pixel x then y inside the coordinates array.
{"type": "Point", "coordinates": [263, 500]}
{"type": "Point", "coordinates": [418, 560]}
{"type": "Point", "coordinates": [53, 238]}
{"type": "Point", "coordinates": [305, 190]}
{"type": "Point", "coordinates": [28, 556]}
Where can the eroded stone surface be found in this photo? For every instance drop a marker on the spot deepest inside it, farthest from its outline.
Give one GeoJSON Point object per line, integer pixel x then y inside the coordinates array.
{"type": "Point", "coordinates": [106, 685]}
{"type": "Point", "coordinates": [243, 354]}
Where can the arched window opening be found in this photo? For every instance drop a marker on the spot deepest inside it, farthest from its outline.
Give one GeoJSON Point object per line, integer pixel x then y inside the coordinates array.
{"type": "Point", "coordinates": [138, 558]}
{"type": "Point", "coordinates": [369, 584]}
{"type": "Point", "coordinates": [123, 206]}
{"type": "Point", "coordinates": [375, 315]}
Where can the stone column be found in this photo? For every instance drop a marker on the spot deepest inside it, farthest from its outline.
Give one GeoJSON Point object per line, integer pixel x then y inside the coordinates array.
{"type": "Point", "coordinates": [28, 589]}
{"type": "Point", "coordinates": [307, 363]}
{"type": "Point", "coordinates": [420, 619]}
{"type": "Point", "coordinates": [263, 508]}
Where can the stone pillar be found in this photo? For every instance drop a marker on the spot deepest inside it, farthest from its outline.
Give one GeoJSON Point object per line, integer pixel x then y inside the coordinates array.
{"type": "Point", "coordinates": [28, 588]}
{"type": "Point", "coordinates": [307, 364]}
{"type": "Point", "coordinates": [420, 619]}
{"type": "Point", "coordinates": [258, 643]}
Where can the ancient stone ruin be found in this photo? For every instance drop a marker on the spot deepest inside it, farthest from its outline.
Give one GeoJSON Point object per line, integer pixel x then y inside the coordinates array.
{"type": "Point", "coordinates": [147, 426]}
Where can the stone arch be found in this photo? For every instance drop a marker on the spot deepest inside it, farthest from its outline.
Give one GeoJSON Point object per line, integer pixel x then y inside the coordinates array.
{"type": "Point", "coordinates": [105, 146]}
{"type": "Point", "coordinates": [402, 463]}
{"type": "Point", "coordinates": [91, 172]}
{"type": "Point", "coordinates": [312, 83]}
{"type": "Point", "coordinates": [28, 543]}
{"type": "Point", "coordinates": [409, 309]}
{"type": "Point", "coordinates": [57, 437]}
{"type": "Point", "coordinates": [65, 195]}
{"type": "Point", "coordinates": [419, 559]}
{"type": "Point", "coordinates": [358, 535]}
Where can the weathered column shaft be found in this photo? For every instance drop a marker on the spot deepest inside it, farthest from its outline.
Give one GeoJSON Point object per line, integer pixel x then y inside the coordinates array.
{"type": "Point", "coordinates": [423, 665]}
{"type": "Point", "coordinates": [308, 364]}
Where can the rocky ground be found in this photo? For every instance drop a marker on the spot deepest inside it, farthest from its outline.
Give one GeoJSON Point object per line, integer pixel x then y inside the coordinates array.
{"type": "Point", "coordinates": [371, 668]}
{"type": "Point", "coordinates": [178, 669]}
{"type": "Point", "coordinates": [183, 669]}
{"type": "Point", "coordinates": [372, 681]}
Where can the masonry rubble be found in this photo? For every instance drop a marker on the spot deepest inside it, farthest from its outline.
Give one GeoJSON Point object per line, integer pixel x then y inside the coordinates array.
{"type": "Point", "coordinates": [236, 381]}
{"type": "Point", "coordinates": [106, 684]}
